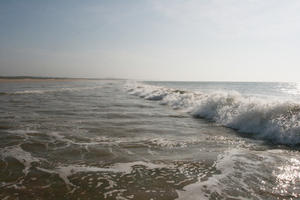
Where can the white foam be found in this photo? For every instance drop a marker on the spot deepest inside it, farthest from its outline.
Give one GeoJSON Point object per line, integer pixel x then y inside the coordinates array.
{"type": "Point", "coordinates": [126, 168]}
{"type": "Point", "coordinates": [119, 192]}
{"type": "Point", "coordinates": [22, 156]}
{"type": "Point", "coordinates": [239, 166]}
{"type": "Point", "coordinates": [167, 143]}
{"type": "Point", "coordinates": [195, 190]}
{"type": "Point", "coordinates": [277, 121]}
{"type": "Point", "coordinates": [228, 165]}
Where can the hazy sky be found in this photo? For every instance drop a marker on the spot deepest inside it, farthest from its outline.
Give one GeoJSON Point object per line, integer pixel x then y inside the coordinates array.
{"type": "Point", "coordinates": [193, 40]}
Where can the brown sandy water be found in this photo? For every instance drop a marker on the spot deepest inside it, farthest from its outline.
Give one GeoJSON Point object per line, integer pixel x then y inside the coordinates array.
{"type": "Point", "coordinates": [95, 140]}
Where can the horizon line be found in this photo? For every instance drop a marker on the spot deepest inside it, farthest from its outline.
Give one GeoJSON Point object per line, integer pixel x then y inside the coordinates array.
{"type": "Point", "coordinates": [111, 78]}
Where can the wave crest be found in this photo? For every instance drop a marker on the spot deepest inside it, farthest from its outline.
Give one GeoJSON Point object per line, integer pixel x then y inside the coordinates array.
{"type": "Point", "coordinates": [276, 121]}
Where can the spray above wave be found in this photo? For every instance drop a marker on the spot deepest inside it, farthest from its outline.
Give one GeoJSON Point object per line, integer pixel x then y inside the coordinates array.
{"type": "Point", "coordinates": [276, 121]}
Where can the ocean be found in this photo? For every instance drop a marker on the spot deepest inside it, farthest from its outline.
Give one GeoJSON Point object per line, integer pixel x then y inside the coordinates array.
{"type": "Point", "coordinates": [146, 140]}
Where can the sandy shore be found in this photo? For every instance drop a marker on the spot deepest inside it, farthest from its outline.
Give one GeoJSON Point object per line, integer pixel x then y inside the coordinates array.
{"type": "Point", "coordinates": [4, 80]}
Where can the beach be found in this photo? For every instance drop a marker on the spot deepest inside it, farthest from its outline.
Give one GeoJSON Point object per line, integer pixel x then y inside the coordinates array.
{"type": "Point", "coordinates": [4, 80]}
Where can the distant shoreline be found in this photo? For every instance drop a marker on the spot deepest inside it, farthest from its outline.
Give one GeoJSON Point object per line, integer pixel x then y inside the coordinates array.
{"type": "Point", "coordinates": [39, 79]}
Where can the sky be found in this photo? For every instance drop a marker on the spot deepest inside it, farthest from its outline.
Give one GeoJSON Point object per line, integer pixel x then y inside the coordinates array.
{"type": "Point", "coordinates": [178, 40]}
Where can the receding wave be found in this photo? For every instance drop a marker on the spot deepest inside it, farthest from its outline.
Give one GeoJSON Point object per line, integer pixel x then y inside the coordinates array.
{"type": "Point", "coordinates": [276, 121]}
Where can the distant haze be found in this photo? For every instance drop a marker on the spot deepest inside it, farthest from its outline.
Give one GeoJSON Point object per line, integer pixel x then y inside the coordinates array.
{"type": "Point", "coordinates": [191, 40]}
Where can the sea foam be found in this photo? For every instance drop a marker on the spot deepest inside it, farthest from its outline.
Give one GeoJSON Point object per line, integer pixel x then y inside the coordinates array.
{"type": "Point", "coordinates": [277, 121]}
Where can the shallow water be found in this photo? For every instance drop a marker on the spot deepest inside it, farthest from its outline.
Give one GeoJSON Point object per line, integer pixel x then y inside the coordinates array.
{"type": "Point", "coordinates": [115, 139]}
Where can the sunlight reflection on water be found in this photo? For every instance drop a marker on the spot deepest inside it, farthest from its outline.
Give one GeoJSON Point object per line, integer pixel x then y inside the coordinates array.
{"type": "Point", "coordinates": [288, 178]}
{"type": "Point", "coordinates": [291, 88]}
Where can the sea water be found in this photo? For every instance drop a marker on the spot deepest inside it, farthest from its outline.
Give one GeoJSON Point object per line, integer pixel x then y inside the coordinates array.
{"type": "Point", "coordinates": [120, 139]}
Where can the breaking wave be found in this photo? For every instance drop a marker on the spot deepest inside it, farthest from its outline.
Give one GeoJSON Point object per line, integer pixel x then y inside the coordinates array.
{"type": "Point", "coordinates": [275, 121]}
